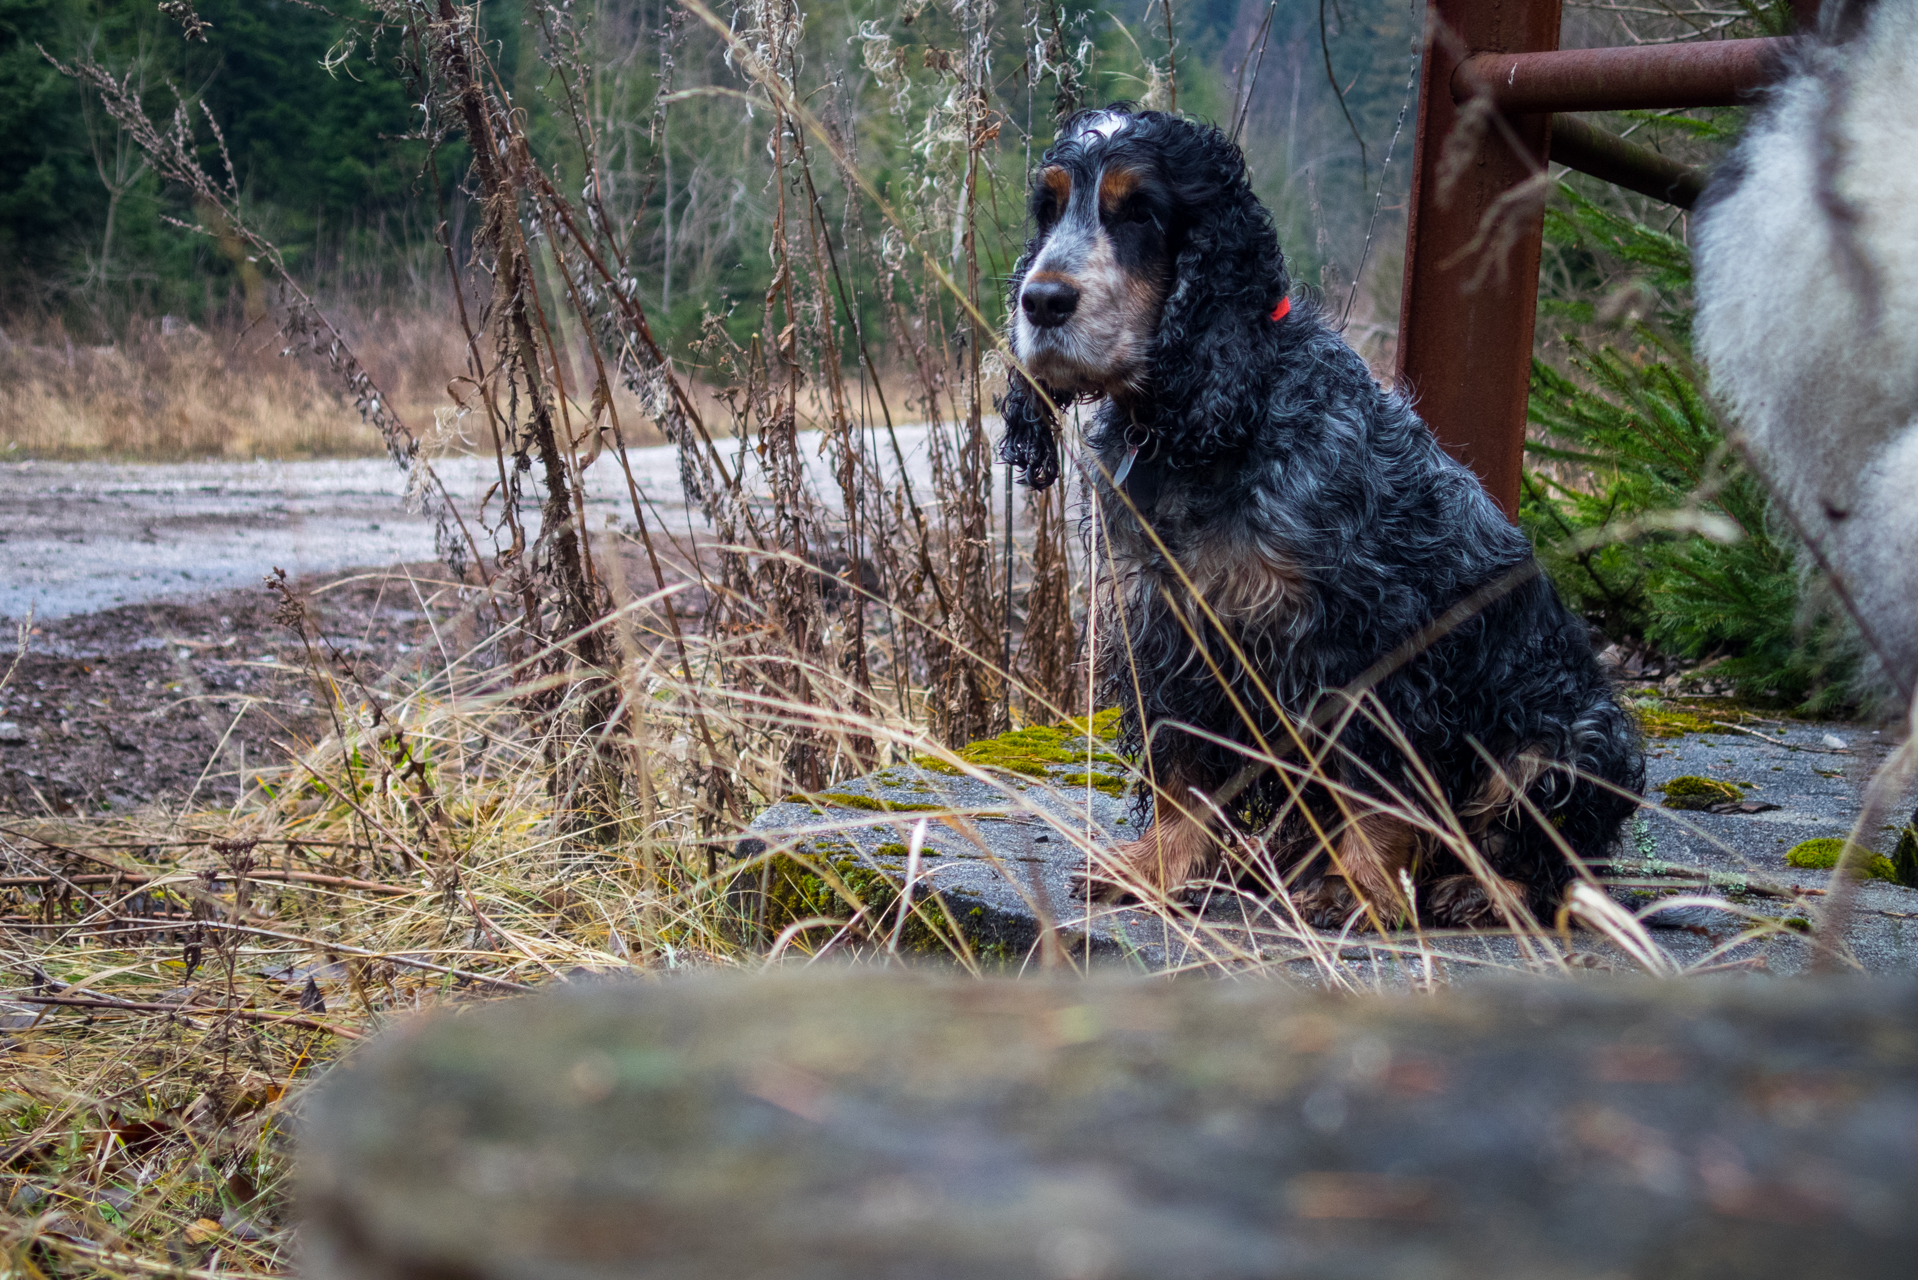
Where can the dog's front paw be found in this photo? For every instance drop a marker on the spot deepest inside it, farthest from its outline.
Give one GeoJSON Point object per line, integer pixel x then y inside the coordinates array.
{"type": "Point", "coordinates": [1332, 903]}
{"type": "Point", "coordinates": [1465, 902]}
{"type": "Point", "coordinates": [1099, 886]}
{"type": "Point", "coordinates": [1327, 904]}
{"type": "Point", "coordinates": [1115, 890]}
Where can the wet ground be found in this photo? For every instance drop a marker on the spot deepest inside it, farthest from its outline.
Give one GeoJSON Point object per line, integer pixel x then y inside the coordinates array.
{"type": "Point", "coordinates": [154, 673]}
{"type": "Point", "coordinates": [170, 700]}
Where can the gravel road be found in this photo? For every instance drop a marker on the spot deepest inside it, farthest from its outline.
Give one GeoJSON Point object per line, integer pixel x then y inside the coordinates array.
{"type": "Point", "coordinates": [76, 537]}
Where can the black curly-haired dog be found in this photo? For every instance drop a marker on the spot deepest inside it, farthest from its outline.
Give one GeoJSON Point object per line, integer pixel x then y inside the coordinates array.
{"type": "Point", "coordinates": [1284, 529]}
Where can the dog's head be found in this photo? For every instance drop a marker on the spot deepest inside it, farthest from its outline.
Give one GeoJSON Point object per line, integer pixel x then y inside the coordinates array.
{"type": "Point", "coordinates": [1148, 249]}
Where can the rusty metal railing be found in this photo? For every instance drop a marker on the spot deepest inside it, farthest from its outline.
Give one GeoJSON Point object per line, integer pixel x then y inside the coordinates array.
{"type": "Point", "coordinates": [1473, 242]}
{"type": "Point", "coordinates": [1649, 78]}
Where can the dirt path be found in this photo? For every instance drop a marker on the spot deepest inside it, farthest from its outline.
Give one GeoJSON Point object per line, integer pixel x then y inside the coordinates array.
{"type": "Point", "coordinates": [76, 537]}
{"type": "Point", "coordinates": [172, 699]}
{"type": "Point", "coordinates": [155, 671]}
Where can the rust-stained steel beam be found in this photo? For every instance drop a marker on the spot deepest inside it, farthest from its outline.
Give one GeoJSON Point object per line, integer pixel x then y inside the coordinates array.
{"type": "Point", "coordinates": [1465, 338]}
{"type": "Point", "coordinates": [1719, 73]}
{"type": "Point", "coordinates": [1604, 155]}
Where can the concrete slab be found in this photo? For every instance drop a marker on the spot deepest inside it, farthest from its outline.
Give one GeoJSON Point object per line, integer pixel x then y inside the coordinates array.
{"type": "Point", "coordinates": [1002, 851]}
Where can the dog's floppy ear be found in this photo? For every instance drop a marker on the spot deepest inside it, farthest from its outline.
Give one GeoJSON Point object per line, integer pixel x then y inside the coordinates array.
{"type": "Point", "coordinates": [1228, 275]}
{"type": "Point", "coordinates": [1031, 441]}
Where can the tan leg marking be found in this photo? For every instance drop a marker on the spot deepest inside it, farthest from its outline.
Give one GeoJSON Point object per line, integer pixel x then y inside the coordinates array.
{"type": "Point", "coordinates": [1502, 789]}
{"type": "Point", "coordinates": [1177, 848]}
{"type": "Point", "coordinates": [1371, 852]}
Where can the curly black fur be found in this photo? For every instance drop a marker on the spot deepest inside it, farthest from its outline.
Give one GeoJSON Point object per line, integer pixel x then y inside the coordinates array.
{"type": "Point", "coordinates": [1268, 448]}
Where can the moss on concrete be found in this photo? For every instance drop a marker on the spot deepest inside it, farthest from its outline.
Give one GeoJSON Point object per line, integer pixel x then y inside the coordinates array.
{"type": "Point", "coordinates": [1030, 751]}
{"type": "Point", "coordinates": [1111, 784]}
{"type": "Point", "coordinates": [816, 883]}
{"type": "Point", "coordinates": [831, 882]}
{"type": "Point", "coordinates": [1694, 792]}
{"type": "Point", "coordinates": [1661, 719]}
{"type": "Point", "coordinates": [867, 804]}
{"type": "Point", "coordinates": [1822, 855]}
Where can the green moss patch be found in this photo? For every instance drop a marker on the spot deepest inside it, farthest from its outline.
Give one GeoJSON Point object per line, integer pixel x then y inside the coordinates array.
{"type": "Point", "coordinates": [1660, 719]}
{"type": "Point", "coordinates": [1031, 750]}
{"type": "Point", "coordinates": [1694, 792]}
{"type": "Point", "coordinates": [1112, 786]}
{"type": "Point", "coordinates": [1105, 724]}
{"type": "Point", "coordinates": [1671, 722]}
{"type": "Point", "coordinates": [823, 883]}
{"type": "Point", "coordinates": [869, 804]}
{"type": "Point", "coordinates": [1815, 855]}
{"type": "Point", "coordinates": [893, 849]}
{"type": "Point", "coordinates": [1822, 855]}
{"type": "Point", "coordinates": [800, 887]}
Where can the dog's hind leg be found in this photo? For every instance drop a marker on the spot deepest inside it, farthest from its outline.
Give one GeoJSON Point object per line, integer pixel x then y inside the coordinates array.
{"type": "Point", "coordinates": [1575, 802]}
{"type": "Point", "coordinates": [1491, 817]}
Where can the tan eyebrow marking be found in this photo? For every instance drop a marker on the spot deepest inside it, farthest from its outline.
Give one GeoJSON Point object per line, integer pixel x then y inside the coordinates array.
{"type": "Point", "coordinates": [1115, 185]}
{"type": "Point", "coordinates": [1058, 182]}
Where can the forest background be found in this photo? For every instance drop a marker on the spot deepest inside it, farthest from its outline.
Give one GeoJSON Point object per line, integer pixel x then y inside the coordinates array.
{"type": "Point", "coordinates": [774, 238]}
{"type": "Point", "coordinates": [326, 146]}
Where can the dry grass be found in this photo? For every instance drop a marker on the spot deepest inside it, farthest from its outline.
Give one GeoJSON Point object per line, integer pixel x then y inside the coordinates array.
{"type": "Point", "coordinates": [178, 977]}
{"type": "Point", "coordinates": [170, 391]}
{"type": "Point", "coordinates": [167, 395]}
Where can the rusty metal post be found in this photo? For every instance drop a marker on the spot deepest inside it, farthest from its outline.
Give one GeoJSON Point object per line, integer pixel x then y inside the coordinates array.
{"type": "Point", "coordinates": [1466, 353]}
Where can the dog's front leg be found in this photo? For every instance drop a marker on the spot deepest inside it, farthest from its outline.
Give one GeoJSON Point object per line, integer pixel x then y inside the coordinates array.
{"type": "Point", "coordinates": [1177, 849]}
{"type": "Point", "coordinates": [1368, 858]}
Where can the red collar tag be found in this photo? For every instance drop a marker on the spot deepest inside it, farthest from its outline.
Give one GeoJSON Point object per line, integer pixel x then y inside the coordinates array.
{"type": "Point", "coordinates": [1281, 311]}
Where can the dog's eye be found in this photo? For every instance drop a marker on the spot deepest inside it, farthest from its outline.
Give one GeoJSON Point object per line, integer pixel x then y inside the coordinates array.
{"type": "Point", "coordinates": [1134, 210]}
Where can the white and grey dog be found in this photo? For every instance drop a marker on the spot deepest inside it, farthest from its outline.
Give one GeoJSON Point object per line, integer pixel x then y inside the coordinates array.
{"type": "Point", "coordinates": [1808, 308]}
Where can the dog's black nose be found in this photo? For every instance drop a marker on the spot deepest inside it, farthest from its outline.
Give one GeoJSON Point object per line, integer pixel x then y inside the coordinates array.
{"type": "Point", "coordinates": [1048, 303]}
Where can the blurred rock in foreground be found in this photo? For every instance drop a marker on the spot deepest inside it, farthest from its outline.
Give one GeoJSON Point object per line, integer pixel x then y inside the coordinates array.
{"type": "Point", "coordinates": [852, 1125]}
